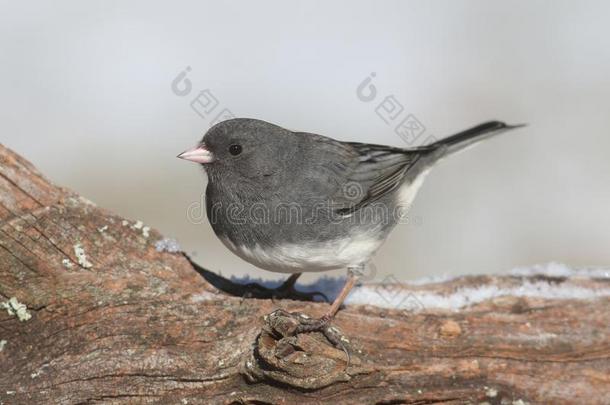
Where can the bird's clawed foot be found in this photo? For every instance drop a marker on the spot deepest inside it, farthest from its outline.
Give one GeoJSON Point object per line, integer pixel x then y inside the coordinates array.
{"type": "Point", "coordinates": [294, 323]}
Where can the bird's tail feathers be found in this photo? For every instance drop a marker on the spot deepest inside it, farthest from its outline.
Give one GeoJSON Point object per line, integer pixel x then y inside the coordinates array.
{"type": "Point", "coordinates": [469, 137]}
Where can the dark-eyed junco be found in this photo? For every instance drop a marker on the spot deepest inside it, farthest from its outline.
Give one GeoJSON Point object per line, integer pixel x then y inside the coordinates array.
{"type": "Point", "coordinates": [294, 201]}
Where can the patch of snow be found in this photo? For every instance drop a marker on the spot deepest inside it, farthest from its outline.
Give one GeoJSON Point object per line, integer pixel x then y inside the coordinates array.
{"type": "Point", "coordinates": [430, 280]}
{"type": "Point", "coordinates": [15, 308]}
{"type": "Point", "coordinates": [168, 245]}
{"type": "Point", "coordinates": [393, 293]}
{"type": "Point", "coordinates": [102, 229]}
{"type": "Point", "coordinates": [2, 344]}
{"type": "Point", "coordinates": [554, 269]}
{"type": "Point", "coordinates": [146, 231]}
{"type": "Point", "coordinates": [462, 297]}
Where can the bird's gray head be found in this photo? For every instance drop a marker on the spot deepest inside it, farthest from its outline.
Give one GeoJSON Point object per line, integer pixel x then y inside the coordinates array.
{"type": "Point", "coordinates": [243, 147]}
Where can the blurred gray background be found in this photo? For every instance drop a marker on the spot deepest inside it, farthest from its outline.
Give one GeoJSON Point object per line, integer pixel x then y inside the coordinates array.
{"type": "Point", "coordinates": [87, 97]}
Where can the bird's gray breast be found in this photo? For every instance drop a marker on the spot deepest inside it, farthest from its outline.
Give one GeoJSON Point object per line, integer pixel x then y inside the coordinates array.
{"type": "Point", "coordinates": [292, 232]}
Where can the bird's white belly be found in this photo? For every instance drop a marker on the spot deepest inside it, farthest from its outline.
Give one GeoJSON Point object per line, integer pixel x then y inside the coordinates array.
{"type": "Point", "coordinates": [311, 256]}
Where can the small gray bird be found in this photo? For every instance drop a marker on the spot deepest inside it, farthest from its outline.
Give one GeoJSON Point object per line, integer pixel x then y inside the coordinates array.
{"type": "Point", "coordinates": [294, 201]}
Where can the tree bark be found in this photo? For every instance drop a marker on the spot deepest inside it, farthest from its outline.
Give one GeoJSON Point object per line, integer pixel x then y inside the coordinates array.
{"type": "Point", "coordinates": [114, 320]}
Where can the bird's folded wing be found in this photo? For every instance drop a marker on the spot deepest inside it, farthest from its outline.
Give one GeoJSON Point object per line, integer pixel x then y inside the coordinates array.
{"type": "Point", "coordinates": [359, 174]}
{"type": "Point", "coordinates": [377, 171]}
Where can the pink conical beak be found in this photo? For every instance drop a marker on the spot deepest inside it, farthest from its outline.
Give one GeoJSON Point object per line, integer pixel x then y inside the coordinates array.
{"type": "Point", "coordinates": [198, 154]}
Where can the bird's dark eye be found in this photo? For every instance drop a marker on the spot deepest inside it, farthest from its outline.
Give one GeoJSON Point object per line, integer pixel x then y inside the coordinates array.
{"type": "Point", "coordinates": [235, 150]}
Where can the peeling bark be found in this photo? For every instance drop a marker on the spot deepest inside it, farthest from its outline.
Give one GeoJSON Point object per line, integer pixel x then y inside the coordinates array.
{"type": "Point", "coordinates": [141, 326]}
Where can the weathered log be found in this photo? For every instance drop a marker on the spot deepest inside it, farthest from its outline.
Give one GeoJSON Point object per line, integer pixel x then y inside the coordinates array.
{"type": "Point", "coordinates": [114, 320]}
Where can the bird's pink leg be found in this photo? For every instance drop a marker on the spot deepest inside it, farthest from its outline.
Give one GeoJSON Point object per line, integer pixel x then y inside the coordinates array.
{"type": "Point", "coordinates": [321, 323]}
{"type": "Point", "coordinates": [347, 287]}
